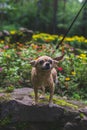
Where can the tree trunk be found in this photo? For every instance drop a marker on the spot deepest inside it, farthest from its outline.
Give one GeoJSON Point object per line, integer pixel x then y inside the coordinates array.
{"type": "Point", "coordinates": [64, 9]}
{"type": "Point", "coordinates": [55, 7]}
{"type": "Point", "coordinates": [84, 22]}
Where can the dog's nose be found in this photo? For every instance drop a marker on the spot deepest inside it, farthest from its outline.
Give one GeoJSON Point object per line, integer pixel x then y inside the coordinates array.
{"type": "Point", "coordinates": [47, 64]}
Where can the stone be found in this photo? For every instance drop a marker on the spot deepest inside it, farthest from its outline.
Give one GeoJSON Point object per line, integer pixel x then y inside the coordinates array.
{"type": "Point", "coordinates": [84, 110]}
{"type": "Point", "coordinates": [18, 113]}
{"type": "Point", "coordinates": [22, 35]}
{"type": "Point", "coordinates": [6, 33]}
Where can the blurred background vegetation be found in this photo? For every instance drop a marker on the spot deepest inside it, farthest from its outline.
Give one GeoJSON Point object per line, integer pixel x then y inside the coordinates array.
{"type": "Point", "coordinates": [27, 31]}
{"type": "Point", "coordinates": [50, 16]}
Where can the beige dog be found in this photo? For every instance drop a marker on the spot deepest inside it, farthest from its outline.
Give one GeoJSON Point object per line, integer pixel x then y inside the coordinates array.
{"type": "Point", "coordinates": [43, 75]}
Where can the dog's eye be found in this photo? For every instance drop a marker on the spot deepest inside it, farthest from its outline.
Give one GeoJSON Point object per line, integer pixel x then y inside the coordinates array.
{"type": "Point", "coordinates": [41, 62]}
{"type": "Point", "coordinates": [50, 61]}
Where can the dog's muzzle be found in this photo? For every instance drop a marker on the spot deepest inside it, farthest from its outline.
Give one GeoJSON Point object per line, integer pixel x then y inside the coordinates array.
{"type": "Point", "coordinates": [46, 66]}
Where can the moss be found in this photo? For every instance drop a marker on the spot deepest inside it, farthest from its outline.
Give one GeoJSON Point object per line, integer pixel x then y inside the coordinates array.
{"type": "Point", "coordinates": [65, 103]}
{"type": "Point", "coordinates": [82, 115]}
{"type": "Point", "coordinates": [5, 97]}
{"type": "Point", "coordinates": [31, 94]}
{"type": "Point", "coordinates": [56, 100]}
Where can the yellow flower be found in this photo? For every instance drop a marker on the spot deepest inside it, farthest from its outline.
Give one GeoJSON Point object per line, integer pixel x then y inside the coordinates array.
{"type": "Point", "coordinates": [85, 41]}
{"type": "Point", "coordinates": [49, 39]}
{"type": "Point", "coordinates": [55, 36]}
{"type": "Point", "coordinates": [83, 55]}
{"type": "Point", "coordinates": [69, 39]}
{"type": "Point", "coordinates": [60, 37]}
{"type": "Point", "coordinates": [12, 32]}
{"type": "Point", "coordinates": [67, 78]}
{"type": "Point", "coordinates": [2, 41]}
{"type": "Point", "coordinates": [73, 73]}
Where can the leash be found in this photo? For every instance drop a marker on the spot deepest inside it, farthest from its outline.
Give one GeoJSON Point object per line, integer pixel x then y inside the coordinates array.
{"type": "Point", "coordinates": [71, 25]}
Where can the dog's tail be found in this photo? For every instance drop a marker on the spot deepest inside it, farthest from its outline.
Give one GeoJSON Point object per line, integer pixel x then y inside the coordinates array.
{"type": "Point", "coordinates": [60, 57]}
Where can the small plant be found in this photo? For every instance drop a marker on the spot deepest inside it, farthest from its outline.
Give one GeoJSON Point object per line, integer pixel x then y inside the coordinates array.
{"type": "Point", "coordinates": [10, 88]}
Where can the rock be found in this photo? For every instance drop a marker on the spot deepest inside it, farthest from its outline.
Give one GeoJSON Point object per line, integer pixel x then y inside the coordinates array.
{"type": "Point", "coordinates": [18, 113]}
{"type": "Point", "coordinates": [72, 126]}
{"type": "Point", "coordinates": [6, 33]}
{"type": "Point", "coordinates": [84, 111]}
{"type": "Point", "coordinates": [26, 30]}
{"type": "Point", "coordinates": [22, 35]}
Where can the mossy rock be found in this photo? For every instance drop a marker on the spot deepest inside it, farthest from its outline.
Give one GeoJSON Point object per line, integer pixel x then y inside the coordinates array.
{"type": "Point", "coordinates": [57, 100]}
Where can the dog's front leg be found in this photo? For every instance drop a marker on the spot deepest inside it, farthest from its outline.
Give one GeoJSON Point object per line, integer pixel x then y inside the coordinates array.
{"type": "Point", "coordinates": [51, 95]}
{"type": "Point", "coordinates": [36, 95]}
{"type": "Point", "coordinates": [42, 96]}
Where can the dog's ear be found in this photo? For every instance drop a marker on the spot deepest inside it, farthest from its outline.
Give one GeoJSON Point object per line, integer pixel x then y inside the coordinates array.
{"type": "Point", "coordinates": [33, 63]}
{"type": "Point", "coordinates": [55, 61]}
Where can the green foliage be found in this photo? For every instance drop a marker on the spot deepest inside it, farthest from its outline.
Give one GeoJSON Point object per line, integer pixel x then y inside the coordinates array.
{"type": "Point", "coordinates": [74, 76]}
{"type": "Point", "coordinates": [24, 13]}
{"type": "Point", "coordinates": [15, 68]}
{"type": "Point", "coordinates": [38, 15]}
{"type": "Point", "coordinates": [10, 88]}
{"type": "Point", "coordinates": [66, 13]}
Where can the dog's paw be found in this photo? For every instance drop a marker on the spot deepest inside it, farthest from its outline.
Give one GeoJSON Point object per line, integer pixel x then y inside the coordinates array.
{"type": "Point", "coordinates": [52, 105]}
{"type": "Point", "coordinates": [34, 103]}
{"type": "Point", "coordinates": [42, 97]}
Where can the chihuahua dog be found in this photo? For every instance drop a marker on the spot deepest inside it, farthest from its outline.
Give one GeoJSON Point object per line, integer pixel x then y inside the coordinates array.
{"type": "Point", "coordinates": [43, 75]}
